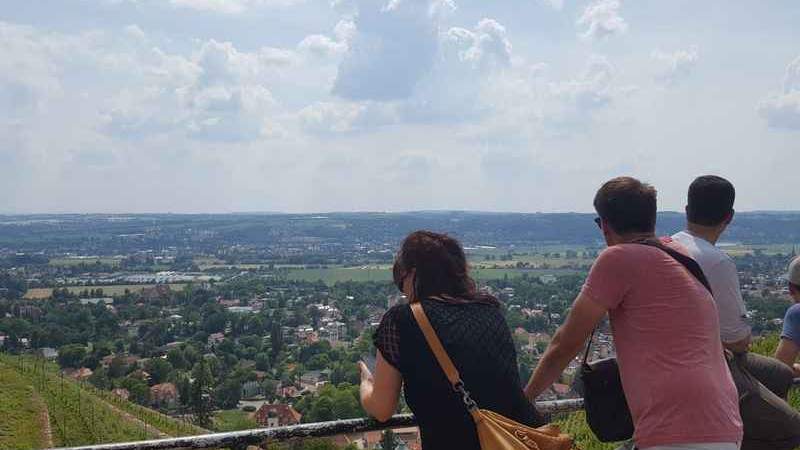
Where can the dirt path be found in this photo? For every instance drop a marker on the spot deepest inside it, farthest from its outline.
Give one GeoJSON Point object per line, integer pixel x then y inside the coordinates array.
{"type": "Point", "coordinates": [44, 420]}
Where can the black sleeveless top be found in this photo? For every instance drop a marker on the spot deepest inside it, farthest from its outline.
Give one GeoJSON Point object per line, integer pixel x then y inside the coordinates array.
{"type": "Point", "coordinates": [478, 340]}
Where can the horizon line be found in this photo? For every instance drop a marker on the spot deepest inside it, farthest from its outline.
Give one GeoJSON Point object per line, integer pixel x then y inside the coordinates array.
{"type": "Point", "coordinates": [313, 213]}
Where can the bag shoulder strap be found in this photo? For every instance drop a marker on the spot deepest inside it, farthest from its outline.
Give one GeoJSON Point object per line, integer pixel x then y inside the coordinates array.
{"type": "Point", "coordinates": [435, 344]}
{"type": "Point", "coordinates": [686, 261]}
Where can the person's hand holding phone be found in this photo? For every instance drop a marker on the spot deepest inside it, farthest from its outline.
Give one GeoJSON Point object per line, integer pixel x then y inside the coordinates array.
{"type": "Point", "coordinates": [366, 366]}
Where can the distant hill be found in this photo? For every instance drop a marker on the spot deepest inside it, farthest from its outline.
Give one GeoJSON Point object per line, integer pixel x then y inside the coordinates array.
{"type": "Point", "coordinates": [40, 409]}
{"type": "Point", "coordinates": [126, 233]}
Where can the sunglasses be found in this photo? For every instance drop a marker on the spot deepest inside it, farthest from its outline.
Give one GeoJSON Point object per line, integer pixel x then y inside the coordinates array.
{"type": "Point", "coordinates": [599, 222]}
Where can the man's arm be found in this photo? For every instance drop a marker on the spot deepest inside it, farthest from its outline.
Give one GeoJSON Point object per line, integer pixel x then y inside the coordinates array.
{"type": "Point", "coordinates": [734, 325]}
{"type": "Point", "coordinates": [567, 342]}
{"type": "Point", "coordinates": [787, 352]}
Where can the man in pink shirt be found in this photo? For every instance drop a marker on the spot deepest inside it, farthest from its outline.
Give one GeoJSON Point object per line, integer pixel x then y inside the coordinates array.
{"type": "Point", "coordinates": [665, 327]}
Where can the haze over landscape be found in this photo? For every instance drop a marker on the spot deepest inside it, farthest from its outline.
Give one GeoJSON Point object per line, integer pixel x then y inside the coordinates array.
{"type": "Point", "coordinates": [201, 201]}
{"type": "Point", "coordinates": [346, 105]}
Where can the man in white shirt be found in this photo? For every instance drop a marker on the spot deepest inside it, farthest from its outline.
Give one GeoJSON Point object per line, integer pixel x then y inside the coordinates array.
{"type": "Point", "coordinates": [763, 383]}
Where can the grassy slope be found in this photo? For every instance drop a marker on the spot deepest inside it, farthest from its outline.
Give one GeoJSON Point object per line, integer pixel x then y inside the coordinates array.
{"type": "Point", "coordinates": [20, 427]}
{"type": "Point", "coordinates": [79, 415]}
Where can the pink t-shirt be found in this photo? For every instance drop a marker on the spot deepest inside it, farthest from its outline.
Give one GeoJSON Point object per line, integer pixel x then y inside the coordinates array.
{"type": "Point", "coordinates": [666, 331]}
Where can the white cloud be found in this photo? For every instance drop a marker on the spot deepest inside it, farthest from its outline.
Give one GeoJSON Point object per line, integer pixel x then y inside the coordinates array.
{"type": "Point", "coordinates": [601, 19]}
{"type": "Point", "coordinates": [135, 32]}
{"type": "Point", "coordinates": [486, 45]}
{"type": "Point", "coordinates": [672, 67]}
{"type": "Point", "coordinates": [346, 117]}
{"type": "Point", "coordinates": [217, 93]}
{"type": "Point", "coordinates": [32, 64]}
{"type": "Point", "coordinates": [783, 110]}
{"type": "Point", "coordinates": [527, 103]}
{"type": "Point", "coordinates": [394, 47]}
{"type": "Point", "coordinates": [592, 89]}
{"type": "Point", "coordinates": [322, 45]}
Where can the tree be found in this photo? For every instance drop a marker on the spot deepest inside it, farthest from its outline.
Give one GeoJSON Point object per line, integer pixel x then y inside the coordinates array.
{"type": "Point", "coordinates": [117, 368]}
{"type": "Point", "coordinates": [99, 379]}
{"type": "Point", "coordinates": [276, 337]}
{"type": "Point", "coordinates": [269, 387]}
{"type": "Point", "coordinates": [228, 394]}
{"type": "Point", "coordinates": [318, 362]}
{"type": "Point", "coordinates": [262, 362]}
{"type": "Point", "coordinates": [159, 370]}
{"type": "Point", "coordinates": [71, 355]}
{"type": "Point", "coordinates": [321, 410]}
{"type": "Point", "coordinates": [138, 389]}
{"type": "Point", "coordinates": [201, 389]}
{"type": "Point", "coordinates": [184, 386]}
{"type": "Point", "coordinates": [388, 441]}
{"type": "Point", "coordinates": [344, 372]}
{"type": "Point", "coordinates": [176, 358]}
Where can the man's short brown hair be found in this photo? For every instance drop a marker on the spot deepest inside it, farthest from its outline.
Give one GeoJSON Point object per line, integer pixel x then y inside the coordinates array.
{"type": "Point", "coordinates": [627, 205]}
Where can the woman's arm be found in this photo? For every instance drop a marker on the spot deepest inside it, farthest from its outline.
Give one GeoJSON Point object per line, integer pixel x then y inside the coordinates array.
{"type": "Point", "coordinates": [380, 392]}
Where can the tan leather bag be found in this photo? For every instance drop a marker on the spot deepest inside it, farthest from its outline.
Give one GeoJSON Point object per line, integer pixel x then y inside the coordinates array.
{"type": "Point", "coordinates": [495, 432]}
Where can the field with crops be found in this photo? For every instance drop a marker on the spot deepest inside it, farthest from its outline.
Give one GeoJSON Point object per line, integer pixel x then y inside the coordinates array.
{"type": "Point", "coordinates": [111, 290]}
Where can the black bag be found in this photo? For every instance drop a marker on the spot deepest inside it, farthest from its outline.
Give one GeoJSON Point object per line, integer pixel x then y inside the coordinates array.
{"type": "Point", "coordinates": [607, 412]}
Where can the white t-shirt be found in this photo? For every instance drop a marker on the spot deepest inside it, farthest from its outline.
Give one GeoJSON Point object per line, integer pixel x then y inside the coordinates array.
{"type": "Point", "coordinates": [720, 270]}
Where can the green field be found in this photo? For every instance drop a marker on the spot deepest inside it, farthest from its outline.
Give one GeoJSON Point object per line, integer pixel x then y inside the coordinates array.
{"type": "Point", "coordinates": [233, 420]}
{"type": "Point", "coordinates": [116, 289]}
{"type": "Point", "coordinates": [69, 262]}
{"type": "Point", "coordinates": [375, 273]}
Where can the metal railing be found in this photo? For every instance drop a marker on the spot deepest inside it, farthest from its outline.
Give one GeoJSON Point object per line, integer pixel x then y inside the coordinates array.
{"type": "Point", "coordinates": [241, 439]}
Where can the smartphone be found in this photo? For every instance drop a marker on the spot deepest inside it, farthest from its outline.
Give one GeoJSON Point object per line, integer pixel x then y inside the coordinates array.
{"type": "Point", "coordinates": [370, 361]}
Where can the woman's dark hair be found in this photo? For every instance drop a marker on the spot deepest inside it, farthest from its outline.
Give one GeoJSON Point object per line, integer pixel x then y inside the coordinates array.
{"type": "Point", "coordinates": [628, 205]}
{"type": "Point", "coordinates": [441, 268]}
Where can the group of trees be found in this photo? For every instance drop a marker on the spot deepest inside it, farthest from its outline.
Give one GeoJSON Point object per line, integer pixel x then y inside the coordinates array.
{"type": "Point", "coordinates": [12, 286]}
{"type": "Point", "coordinates": [331, 403]}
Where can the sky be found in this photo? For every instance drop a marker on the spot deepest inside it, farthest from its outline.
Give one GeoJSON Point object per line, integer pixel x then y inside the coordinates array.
{"type": "Point", "coordinates": [133, 106]}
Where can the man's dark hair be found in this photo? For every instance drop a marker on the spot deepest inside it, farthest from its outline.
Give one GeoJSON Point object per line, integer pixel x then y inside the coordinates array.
{"type": "Point", "coordinates": [627, 205]}
{"type": "Point", "coordinates": [710, 200]}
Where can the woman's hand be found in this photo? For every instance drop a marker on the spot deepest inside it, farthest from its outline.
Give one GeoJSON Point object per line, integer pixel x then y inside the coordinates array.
{"type": "Point", "coordinates": [380, 392]}
{"type": "Point", "coordinates": [366, 375]}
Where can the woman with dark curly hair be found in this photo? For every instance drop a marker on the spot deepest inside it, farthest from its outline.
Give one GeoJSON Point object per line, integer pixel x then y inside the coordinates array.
{"type": "Point", "coordinates": [431, 268]}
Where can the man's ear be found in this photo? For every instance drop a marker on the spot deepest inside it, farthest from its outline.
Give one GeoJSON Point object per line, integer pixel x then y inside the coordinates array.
{"type": "Point", "coordinates": [729, 219]}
